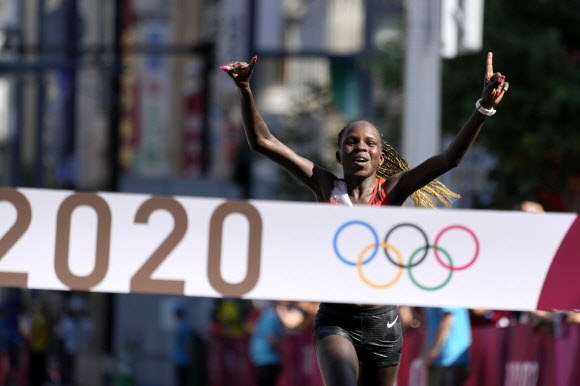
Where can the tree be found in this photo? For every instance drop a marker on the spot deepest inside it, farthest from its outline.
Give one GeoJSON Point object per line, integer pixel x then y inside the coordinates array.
{"type": "Point", "coordinates": [535, 135]}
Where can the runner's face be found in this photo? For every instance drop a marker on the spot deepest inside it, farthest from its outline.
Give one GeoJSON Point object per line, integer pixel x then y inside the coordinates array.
{"type": "Point", "coordinates": [361, 150]}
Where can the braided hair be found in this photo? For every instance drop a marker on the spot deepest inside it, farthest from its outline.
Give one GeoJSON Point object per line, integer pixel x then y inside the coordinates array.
{"type": "Point", "coordinates": [394, 164]}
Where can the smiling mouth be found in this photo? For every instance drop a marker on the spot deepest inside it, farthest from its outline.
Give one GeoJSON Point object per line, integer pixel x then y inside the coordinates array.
{"type": "Point", "coordinates": [360, 161]}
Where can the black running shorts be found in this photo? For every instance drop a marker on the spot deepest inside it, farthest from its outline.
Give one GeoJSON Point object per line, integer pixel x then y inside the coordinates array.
{"type": "Point", "coordinates": [375, 332]}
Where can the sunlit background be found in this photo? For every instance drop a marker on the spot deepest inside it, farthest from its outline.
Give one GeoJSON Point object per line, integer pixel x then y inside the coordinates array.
{"type": "Point", "coordinates": [127, 96]}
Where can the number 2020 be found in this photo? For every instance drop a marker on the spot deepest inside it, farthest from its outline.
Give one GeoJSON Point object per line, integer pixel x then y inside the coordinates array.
{"type": "Point", "coordinates": [141, 280]}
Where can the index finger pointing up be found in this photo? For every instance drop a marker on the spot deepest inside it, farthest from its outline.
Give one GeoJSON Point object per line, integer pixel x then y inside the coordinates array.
{"type": "Point", "coordinates": [253, 62]}
{"type": "Point", "coordinates": [489, 66]}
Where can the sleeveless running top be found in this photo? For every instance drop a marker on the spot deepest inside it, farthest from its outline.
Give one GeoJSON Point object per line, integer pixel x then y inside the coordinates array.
{"type": "Point", "coordinates": [339, 195]}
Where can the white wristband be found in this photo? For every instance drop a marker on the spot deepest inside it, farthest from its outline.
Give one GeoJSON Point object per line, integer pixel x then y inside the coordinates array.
{"type": "Point", "coordinates": [483, 110]}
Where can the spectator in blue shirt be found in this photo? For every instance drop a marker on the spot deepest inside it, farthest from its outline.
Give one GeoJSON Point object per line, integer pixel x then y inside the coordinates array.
{"type": "Point", "coordinates": [447, 346]}
{"type": "Point", "coordinates": [265, 343]}
{"type": "Point", "coordinates": [182, 344]}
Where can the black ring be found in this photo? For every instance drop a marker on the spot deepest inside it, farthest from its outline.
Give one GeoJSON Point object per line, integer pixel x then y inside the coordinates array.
{"type": "Point", "coordinates": [422, 257]}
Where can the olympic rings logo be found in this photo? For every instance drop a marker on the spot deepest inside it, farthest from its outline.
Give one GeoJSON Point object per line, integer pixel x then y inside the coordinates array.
{"type": "Point", "coordinates": [395, 257]}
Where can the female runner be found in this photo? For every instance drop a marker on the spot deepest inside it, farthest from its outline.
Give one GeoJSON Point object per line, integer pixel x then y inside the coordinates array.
{"type": "Point", "coordinates": [357, 343]}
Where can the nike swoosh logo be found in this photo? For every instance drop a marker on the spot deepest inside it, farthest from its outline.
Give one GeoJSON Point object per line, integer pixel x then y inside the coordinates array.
{"type": "Point", "coordinates": [391, 324]}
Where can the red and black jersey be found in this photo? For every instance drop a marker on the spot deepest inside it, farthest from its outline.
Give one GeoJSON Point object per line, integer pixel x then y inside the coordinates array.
{"type": "Point", "coordinates": [379, 196]}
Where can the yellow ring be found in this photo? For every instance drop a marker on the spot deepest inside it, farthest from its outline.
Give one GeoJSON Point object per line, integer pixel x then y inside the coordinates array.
{"type": "Point", "coordinates": [368, 282]}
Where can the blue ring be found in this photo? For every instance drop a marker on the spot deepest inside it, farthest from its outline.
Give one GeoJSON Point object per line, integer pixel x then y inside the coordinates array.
{"type": "Point", "coordinates": [366, 225]}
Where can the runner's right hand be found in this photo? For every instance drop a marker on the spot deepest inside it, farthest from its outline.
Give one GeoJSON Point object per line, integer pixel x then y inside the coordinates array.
{"type": "Point", "coordinates": [240, 72]}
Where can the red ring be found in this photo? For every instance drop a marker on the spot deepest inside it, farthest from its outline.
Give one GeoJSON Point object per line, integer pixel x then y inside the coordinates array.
{"type": "Point", "coordinates": [436, 252]}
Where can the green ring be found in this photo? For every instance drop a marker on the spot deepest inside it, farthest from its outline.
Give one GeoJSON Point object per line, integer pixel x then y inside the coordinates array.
{"type": "Point", "coordinates": [409, 266]}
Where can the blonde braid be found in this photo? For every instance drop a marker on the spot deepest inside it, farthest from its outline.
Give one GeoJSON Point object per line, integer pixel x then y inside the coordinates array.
{"type": "Point", "coordinates": [394, 164]}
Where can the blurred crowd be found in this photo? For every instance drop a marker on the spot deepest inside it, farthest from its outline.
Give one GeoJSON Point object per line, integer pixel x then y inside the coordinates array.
{"type": "Point", "coordinates": [447, 345]}
{"type": "Point", "coordinates": [540, 321]}
{"type": "Point", "coordinates": [40, 338]}
{"type": "Point", "coordinates": [262, 325]}
{"type": "Point", "coordinates": [256, 328]}
{"type": "Point", "coordinates": [265, 324]}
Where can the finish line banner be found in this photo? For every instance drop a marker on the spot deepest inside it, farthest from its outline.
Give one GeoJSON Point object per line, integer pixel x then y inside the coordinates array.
{"type": "Point", "coordinates": [132, 243]}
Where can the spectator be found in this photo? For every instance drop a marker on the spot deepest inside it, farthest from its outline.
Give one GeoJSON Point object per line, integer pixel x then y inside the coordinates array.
{"type": "Point", "coordinates": [531, 207]}
{"type": "Point", "coordinates": [540, 320]}
{"type": "Point", "coordinates": [38, 342]}
{"type": "Point", "coordinates": [265, 350]}
{"type": "Point", "coordinates": [11, 340]}
{"type": "Point", "coordinates": [498, 318]}
{"type": "Point", "coordinates": [4, 343]}
{"type": "Point", "coordinates": [572, 317]}
{"type": "Point", "coordinates": [182, 347]}
{"type": "Point", "coordinates": [447, 346]}
{"type": "Point", "coordinates": [73, 330]}
{"type": "Point", "coordinates": [257, 306]}
{"type": "Point", "coordinates": [310, 309]}
{"type": "Point", "coordinates": [229, 317]}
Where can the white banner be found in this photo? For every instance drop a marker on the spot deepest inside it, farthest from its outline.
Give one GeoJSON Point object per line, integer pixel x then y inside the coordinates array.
{"type": "Point", "coordinates": [121, 243]}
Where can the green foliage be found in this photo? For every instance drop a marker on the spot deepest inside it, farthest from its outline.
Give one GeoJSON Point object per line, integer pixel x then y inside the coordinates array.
{"type": "Point", "coordinates": [387, 68]}
{"type": "Point", "coordinates": [535, 134]}
{"type": "Point", "coordinates": [390, 68]}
